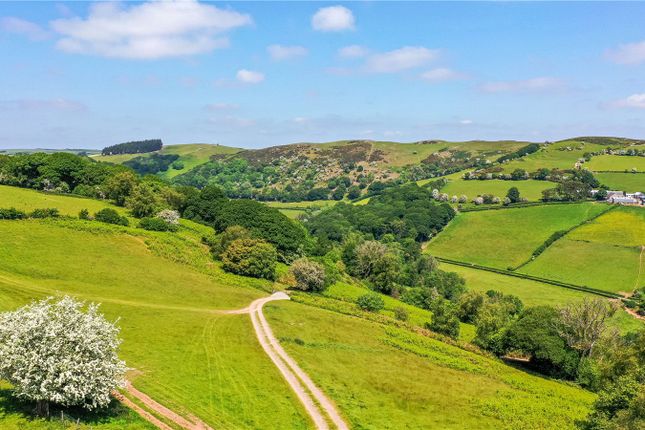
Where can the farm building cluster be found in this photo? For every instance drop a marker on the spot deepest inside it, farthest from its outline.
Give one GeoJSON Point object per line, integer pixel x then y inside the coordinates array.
{"type": "Point", "coordinates": [623, 198]}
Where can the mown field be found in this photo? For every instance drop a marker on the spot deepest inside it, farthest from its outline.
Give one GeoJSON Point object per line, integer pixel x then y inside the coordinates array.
{"type": "Point", "coordinates": [608, 163]}
{"type": "Point", "coordinates": [629, 182]}
{"type": "Point", "coordinates": [387, 378]}
{"type": "Point", "coordinates": [164, 287]}
{"type": "Point", "coordinates": [506, 237]}
{"type": "Point", "coordinates": [560, 155]}
{"type": "Point", "coordinates": [605, 253]}
{"type": "Point", "coordinates": [190, 155]}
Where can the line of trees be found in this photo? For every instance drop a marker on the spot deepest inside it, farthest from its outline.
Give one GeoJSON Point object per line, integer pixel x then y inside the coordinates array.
{"type": "Point", "coordinates": [134, 147]}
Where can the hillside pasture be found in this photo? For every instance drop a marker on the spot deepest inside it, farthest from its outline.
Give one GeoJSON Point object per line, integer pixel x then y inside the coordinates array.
{"type": "Point", "coordinates": [381, 376]}
{"type": "Point", "coordinates": [506, 237]}
{"type": "Point", "coordinates": [616, 163]}
{"type": "Point", "coordinates": [629, 182]}
{"type": "Point", "coordinates": [533, 293]}
{"type": "Point", "coordinates": [603, 254]}
{"type": "Point", "coordinates": [27, 200]}
{"type": "Point", "coordinates": [532, 190]}
{"type": "Point", "coordinates": [560, 155]}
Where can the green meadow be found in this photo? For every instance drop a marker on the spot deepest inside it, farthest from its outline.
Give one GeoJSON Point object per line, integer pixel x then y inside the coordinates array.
{"type": "Point", "coordinates": [629, 182]}
{"type": "Point", "coordinates": [28, 200]}
{"type": "Point", "coordinates": [605, 253]}
{"type": "Point", "coordinates": [165, 289]}
{"type": "Point", "coordinates": [533, 293]}
{"type": "Point", "coordinates": [191, 155]}
{"type": "Point", "coordinates": [608, 163]}
{"type": "Point", "coordinates": [560, 155]}
{"type": "Point", "coordinates": [383, 377]}
{"type": "Point", "coordinates": [506, 237]}
{"type": "Point", "coordinates": [532, 190]}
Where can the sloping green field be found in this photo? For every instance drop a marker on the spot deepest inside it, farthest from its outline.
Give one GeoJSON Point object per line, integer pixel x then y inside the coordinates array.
{"type": "Point", "coordinates": [164, 288]}
{"type": "Point", "coordinates": [560, 155]}
{"type": "Point", "coordinates": [387, 378]}
{"type": "Point", "coordinates": [608, 163]}
{"type": "Point", "coordinates": [630, 182]}
{"type": "Point", "coordinates": [190, 155]}
{"type": "Point", "coordinates": [532, 190]}
{"type": "Point", "coordinates": [605, 253]}
{"type": "Point", "coordinates": [27, 200]}
{"type": "Point", "coordinates": [506, 237]}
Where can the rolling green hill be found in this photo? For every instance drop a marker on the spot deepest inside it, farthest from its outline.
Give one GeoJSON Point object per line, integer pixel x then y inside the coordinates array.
{"type": "Point", "coordinates": [166, 290]}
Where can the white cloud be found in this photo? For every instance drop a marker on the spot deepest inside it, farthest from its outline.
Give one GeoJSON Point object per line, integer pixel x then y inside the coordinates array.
{"type": "Point", "coordinates": [400, 59]}
{"type": "Point", "coordinates": [635, 101]}
{"type": "Point", "coordinates": [440, 74]}
{"type": "Point", "coordinates": [630, 53]}
{"type": "Point", "coordinates": [353, 51]}
{"type": "Point", "coordinates": [281, 52]}
{"type": "Point", "coordinates": [152, 30]}
{"type": "Point", "coordinates": [249, 76]}
{"type": "Point", "coordinates": [28, 29]}
{"type": "Point", "coordinates": [466, 121]}
{"type": "Point", "coordinates": [534, 84]}
{"type": "Point", "coordinates": [333, 18]}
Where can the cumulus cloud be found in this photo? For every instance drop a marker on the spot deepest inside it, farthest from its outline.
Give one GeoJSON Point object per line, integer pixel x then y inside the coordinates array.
{"type": "Point", "coordinates": [281, 52]}
{"type": "Point", "coordinates": [148, 31]}
{"type": "Point", "coordinates": [249, 76]}
{"type": "Point", "coordinates": [533, 84]}
{"type": "Point", "coordinates": [28, 29]}
{"type": "Point", "coordinates": [333, 18]}
{"type": "Point", "coordinates": [58, 104]}
{"type": "Point", "coordinates": [353, 51]}
{"type": "Point", "coordinates": [635, 101]}
{"type": "Point", "coordinates": [629, 53]}
{"type": "Point", "coordinates": [407, 57]}
{"type": "Point", "coordinates": [440, 74]}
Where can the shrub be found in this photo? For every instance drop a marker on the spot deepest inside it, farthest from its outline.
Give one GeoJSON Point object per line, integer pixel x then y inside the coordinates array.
{"type": "Point", "coordinates": [76, 363]}
{"type": "Point", "coordinates": [231, 233]}
{"type": "Point", "coordinates": [401, 313]}
{"type": "Point", "coordinates": [370, 302]}
{"type": "Point", "coordinates": [309, 275]}
{"type": "Point", "coordinates": [250, 257]}
{"type": "Point", "coordinates": [169, 215]}
{"type": "Point", "coordinates": [444, 318]}
{"type": "Point", "coordinates": [110, 216]}
{"type": "Point", "coordinates": [44, 213]}
{"type": "Point", "coordinates": [12, 213]}
{"type": "Point", "coordinates": [156, 224]}
{"type": "Point", "coordinates": [84, 214]}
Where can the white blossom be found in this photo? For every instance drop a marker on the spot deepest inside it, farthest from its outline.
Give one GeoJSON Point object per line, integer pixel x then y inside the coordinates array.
{"type": "Point", "coordinates": [53, 351]}
{"type": "Point", "coordinates": [169, 215]}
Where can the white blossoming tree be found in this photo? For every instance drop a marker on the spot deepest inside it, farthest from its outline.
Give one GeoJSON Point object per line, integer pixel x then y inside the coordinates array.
{"type": "Point", "coordinates": [54, 351]}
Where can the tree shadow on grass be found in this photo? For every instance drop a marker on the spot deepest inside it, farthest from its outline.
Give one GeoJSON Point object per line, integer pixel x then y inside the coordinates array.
{"type": "Point", "coordinates": [10, 405]}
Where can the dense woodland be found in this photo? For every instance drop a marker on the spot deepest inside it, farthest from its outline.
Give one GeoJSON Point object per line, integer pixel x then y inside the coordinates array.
{"type": "Point", "coordinates": [134, 147]}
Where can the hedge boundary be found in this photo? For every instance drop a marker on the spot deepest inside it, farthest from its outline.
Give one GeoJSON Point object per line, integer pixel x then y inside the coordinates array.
{"type": "Point", "coordinates": [532, 278]}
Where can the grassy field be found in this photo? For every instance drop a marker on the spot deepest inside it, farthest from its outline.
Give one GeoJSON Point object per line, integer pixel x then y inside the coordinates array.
{"type": "Point", "coordinates": [533, 293]}
{"type": "Point", "coordinates": [28, 200]}
{"type": "Point", "coordinates": [561, 155]}
{"type": "Point", "coordinates": [197, 361]}
{"type": "Point", "coordinates": [191, 155]}
{"type": "Point", "coordinates": [294, 209]}
{"type": "Point", "coordinates": [506, 237]}
{"type": "Point", "coordinates": [387, 378]}
{"type": "Point", "coordinates": [185, 356]}
{"type": "Point", "coordinates": [604, 163]}
{"type": "Point", "coordinates": [604, 253]}
{"type": "Point", "coordinates": [629, 182]}
{"type": "Point", "coordinates": [532, 190]}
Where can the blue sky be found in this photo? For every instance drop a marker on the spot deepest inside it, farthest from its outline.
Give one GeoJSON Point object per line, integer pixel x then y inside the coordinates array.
{"type": "Point", "coordinates": [255, 74]}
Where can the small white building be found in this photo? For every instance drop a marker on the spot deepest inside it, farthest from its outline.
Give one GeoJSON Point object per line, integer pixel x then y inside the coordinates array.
{"type": "Point", "coordinates": [623, 200]}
